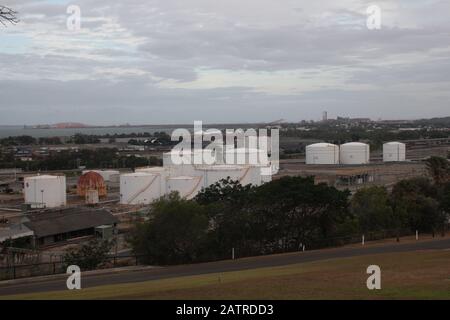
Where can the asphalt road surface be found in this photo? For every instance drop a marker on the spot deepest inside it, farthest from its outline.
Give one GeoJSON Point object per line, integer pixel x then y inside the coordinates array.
{"type": "Point", "coordinates": [59, 283]}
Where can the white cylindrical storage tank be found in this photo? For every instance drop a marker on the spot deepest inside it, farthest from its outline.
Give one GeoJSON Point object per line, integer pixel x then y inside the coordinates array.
{"type": "Point", "coordinates": [187, 187]}
{"type": "Point", "coordinates": [322, 153]}
{"type": "Point", "coordinates": [192, 157]}
{"type": "Point", "coordinates": [45, 191]}
{"type": "Point", "coordinates": [158, 170]}
{"type": "Point", "coordinates": [108, 174]}
{"type": "Point", "coordinates": [115, 178]}
{"type": "Point", "coordinates": [265, 178]}
{"type": "Point", "coordinates": [140, 188]}
{"type": "Point", "coordinates": [251, 175]}
{"type": "Point", "coordinates": [394, 151]}
{"type": "Point", "coordinates": [213, 174]}
{"type": "Point", "coordinates": [161, 171]}
{"type": "Point", "coordinates": [355, 153]}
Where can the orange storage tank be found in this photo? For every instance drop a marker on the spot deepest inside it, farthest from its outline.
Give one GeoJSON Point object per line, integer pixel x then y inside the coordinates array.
{"type": "Point", "coordinates": [91, 181]}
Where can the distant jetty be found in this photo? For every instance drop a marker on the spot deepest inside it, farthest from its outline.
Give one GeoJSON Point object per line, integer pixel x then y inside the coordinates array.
{"type": "Point", "coordinates": [63, 125]}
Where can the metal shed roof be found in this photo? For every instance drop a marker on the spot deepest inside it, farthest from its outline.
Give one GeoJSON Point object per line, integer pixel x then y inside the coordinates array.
{"type": "Point", "coordinates": [55, 223]}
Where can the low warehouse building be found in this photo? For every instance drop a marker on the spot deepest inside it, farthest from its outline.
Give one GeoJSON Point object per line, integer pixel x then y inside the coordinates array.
{"type": "Point", "coordinates": [53, 227]}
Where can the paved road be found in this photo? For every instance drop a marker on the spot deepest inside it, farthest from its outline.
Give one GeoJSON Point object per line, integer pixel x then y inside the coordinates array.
{"type": "Point", "coordinates": [222, 266]}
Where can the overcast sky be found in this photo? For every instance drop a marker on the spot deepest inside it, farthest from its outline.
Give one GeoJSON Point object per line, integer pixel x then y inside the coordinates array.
{"type": "Point", "coordinates": [176, 61]}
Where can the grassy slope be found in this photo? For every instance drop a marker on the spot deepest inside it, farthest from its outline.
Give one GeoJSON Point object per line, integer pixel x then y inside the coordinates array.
{"type": "Point", "coordinates": [416, 275]}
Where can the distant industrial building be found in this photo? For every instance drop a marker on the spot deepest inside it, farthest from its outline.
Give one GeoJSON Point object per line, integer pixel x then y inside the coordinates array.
{"type": "Point", "coordinates": [48, 228]}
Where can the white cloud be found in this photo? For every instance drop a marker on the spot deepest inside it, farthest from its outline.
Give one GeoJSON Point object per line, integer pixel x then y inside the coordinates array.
{"type": "Point", "coordinates": [188, 55]}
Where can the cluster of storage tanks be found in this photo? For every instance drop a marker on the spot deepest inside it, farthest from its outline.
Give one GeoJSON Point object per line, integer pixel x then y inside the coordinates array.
{"type": "Point", "coordinates": [148, 184]}
{"type": "Point", "coordinates": [49, 191]}
{"type": "Point", "coordinates": [187, 178]}
{"type": "Point", "coordinates": [352, 153]}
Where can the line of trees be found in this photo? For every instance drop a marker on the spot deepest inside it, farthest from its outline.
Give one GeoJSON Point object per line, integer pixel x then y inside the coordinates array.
{"type": "Point", "coordinates": [284, 215]}
{"type": "Point", "coordinates": [69, 159]}
{"type": "Point", "coordinates": [28, 141]}
{"type": "Point", "coordinates": [79, 138]}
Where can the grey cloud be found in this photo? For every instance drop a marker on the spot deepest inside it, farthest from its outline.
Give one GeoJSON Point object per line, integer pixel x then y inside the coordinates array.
{"type": "Point", "coordinates": [172, 40]}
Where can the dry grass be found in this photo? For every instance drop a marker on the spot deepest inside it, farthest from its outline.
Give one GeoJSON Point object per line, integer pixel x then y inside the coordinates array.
{"type": "Point", "coordinates": [412, 275]}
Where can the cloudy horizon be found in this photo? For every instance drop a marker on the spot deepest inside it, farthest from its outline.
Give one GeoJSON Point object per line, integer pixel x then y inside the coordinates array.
{"type": "Point", "coordinates": [173, 61]}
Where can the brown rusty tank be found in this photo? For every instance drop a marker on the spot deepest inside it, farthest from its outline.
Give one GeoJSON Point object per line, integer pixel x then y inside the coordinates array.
{"type": "Point", "coordinates": [91, 181]}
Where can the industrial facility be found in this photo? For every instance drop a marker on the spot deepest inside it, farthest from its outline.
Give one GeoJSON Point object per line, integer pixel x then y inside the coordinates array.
{"type": "Point", "coordinates": [188, 178]}
{"type": "Point", "coordinates": [349, 166]}
{"type": "Point", "coordinates": [352, 153]}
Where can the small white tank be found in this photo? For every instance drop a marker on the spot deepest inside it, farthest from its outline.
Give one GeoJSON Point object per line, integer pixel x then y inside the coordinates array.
{"type": "Point", "coordinates": [394, 151]}
{"type": "Point", "coordinates": [187, 187]}
{"type": "Point", "coordinates": [140, 188]}
{"type": "Point", "coordinates": [45, 191]}
{"type": "Point", "coordinates": [92, 197]}
{"type": "Point", "coordinates": [322, 153]}
{"type": "Point", "coordinates": [355, 153]}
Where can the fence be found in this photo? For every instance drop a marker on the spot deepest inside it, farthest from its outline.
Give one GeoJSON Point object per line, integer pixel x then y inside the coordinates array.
{"type": "Point", "coordinates": [52, 268]}
{"type": "Point", "coordinates": [332, 242]}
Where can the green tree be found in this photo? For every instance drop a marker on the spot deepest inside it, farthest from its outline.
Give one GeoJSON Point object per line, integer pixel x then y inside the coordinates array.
{"type": "Point", "coordinates": [226, 190]}
{"type": "Point", "coordinates": [416, 201]}
{"type": "Point", "coordinates": [175, 232]}
{"type": "Point", "coordinates": [372, 208]}
{"type": "Point", "coordinates": [276, 216]}
{"type": "Point", "coordinates": [439, 169]}
{"type": "Point", "coordinates": [89, 256]}
{"type": "Point", "coordinates": [296, 210]}
{"type": "Point", "coordinates": [444, 196]}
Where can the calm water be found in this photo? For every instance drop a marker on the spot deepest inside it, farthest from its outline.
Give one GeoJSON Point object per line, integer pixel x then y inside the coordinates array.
{"type": "Point", "coordinates": [6, 131]}
{"type": "Point", "coordinates": [13, 131]}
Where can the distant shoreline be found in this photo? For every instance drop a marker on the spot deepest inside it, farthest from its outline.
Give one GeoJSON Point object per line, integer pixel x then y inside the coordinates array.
{"type": "Point", "coordinates": [47, 132]}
